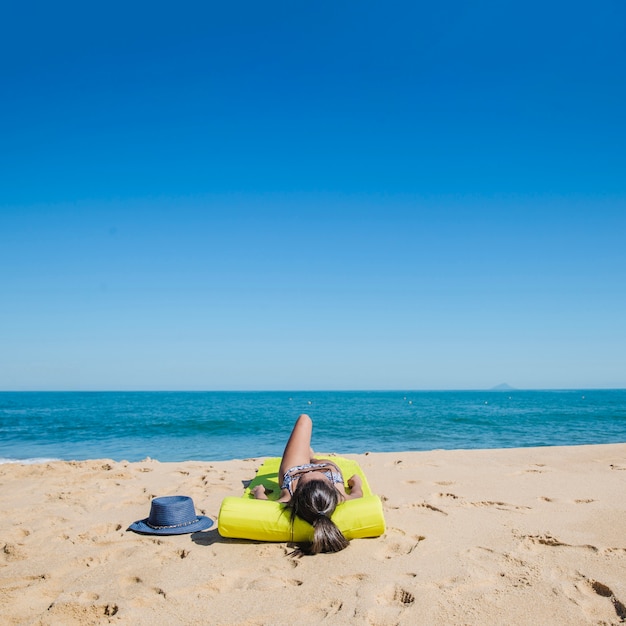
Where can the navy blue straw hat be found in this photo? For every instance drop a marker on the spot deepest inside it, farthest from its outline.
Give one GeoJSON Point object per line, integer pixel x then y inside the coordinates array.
{"type": "Point", "coordinates": [172, 515]}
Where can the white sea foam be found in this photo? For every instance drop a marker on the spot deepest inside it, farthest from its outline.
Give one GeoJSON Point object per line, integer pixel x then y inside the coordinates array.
{"type": "Point", "coordinates": [34, 461]}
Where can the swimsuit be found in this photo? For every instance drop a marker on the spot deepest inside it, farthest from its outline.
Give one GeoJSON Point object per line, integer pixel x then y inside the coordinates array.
{"type": "Point", "coordinates": [293, 472]}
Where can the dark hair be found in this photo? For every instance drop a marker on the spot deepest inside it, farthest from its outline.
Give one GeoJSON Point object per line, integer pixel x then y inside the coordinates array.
{"type": "Point", "coordinates": [314, 502]}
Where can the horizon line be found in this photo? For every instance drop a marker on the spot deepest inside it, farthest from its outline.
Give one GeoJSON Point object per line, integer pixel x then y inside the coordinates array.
{"type": "Point", "coordinates": [497, 388]}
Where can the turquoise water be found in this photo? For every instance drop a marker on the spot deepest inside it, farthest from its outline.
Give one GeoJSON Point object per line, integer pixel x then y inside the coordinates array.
{"type": "Point", "coordinates": [180, 426]}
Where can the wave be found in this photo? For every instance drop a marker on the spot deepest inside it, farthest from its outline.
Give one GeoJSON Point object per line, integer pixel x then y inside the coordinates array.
{"type": "Point", "coordinates": [33, 461]}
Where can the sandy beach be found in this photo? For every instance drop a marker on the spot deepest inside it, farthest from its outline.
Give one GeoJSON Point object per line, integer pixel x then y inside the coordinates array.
{"type": "Point", "coordinates": [517, 536]}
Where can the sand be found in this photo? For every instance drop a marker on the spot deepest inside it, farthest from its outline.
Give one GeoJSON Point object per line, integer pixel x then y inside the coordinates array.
{"type": "Point", "coordinates": [521, 536]}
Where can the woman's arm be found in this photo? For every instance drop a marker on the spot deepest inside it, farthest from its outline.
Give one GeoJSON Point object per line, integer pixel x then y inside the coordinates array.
{"type": "Point", "coordinates": [260, 494]}
{"type": "Point", "coordinates": [356, 490]}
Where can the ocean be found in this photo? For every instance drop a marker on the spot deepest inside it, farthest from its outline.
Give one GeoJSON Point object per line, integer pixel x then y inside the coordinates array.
{"type": "Point", "coordinates": [212, 426]}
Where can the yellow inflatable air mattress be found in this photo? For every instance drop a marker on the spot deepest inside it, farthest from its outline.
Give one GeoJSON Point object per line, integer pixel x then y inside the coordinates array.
{"type": "Point", "coordinates": [268, 520]}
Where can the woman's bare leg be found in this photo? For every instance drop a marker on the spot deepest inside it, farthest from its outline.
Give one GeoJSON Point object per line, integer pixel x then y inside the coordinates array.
{"type": "Point", "coordinates": [298, 448]}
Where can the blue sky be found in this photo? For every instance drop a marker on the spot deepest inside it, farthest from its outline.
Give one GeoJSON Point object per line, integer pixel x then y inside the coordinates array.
{"type": "Point", "coordinates": [330, 196]}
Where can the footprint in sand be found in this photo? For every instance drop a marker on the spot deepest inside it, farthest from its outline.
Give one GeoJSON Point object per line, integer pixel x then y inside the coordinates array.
{"type": "Point", "coordinates": [86, 596]}
{"type": "Point", "coordinates": [234, 579]}
{"type": "Point", "coordinates": [131, 580]}
{"type": "Point", "coordinates": [397, 543]}
{"type": "Point", "coordinates": [548, 540]}
{"type": "Point", "coordinates": [271, 583]}
{"type": "Point", "coordinates": [590, 595]}
{"type": "Point", "coordinates": [13, 552]}
{"type": "Point", "coordinates": [509, 570]}
{"type": "Point", "coordinates": [331, 607]}
{"type": "Point", "coordinates": [350, 580]}
{"type": "Point", "coordinates": [426, 505]}
{"type": "Point", "coordinates": [452, 496]}
{"type": "Point", "coordinates": [397, 596]}
{"type": "Point", "coordinates": [503, 506]}
{"type": "Point", "coordinates": [21, 583]}
{"type": "Point", "coordinates": [604, 591]}
{"type": "Point", "coordinates": [99, 533]}
{"type": "Point", "coordinates": [577, 501]}
{"type": "Point", "coordinates": [324, 610]}
{"type": "Point", "coordinates": [391, 607]}
{"type": "Point", "coordinates": [91, 561]}
{"type": "Point", "coordinates": [71, 611]}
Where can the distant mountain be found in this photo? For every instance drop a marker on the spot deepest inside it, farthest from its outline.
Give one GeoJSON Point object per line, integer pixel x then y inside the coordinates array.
{"type": "Point", "coordinates": [503, 387]}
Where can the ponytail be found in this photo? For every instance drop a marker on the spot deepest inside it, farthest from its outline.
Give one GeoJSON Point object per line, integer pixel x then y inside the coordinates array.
{"type": "Point", "coordinates": [326, 536]}
{"type": "Point", "coordinates": [314, 502]}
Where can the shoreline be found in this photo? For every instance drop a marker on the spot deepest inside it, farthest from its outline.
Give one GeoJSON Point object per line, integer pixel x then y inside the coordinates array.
{"type": "Point", "coordinates": [474, 536]}
{"type": "Point", "coordinates": [45, 460]}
